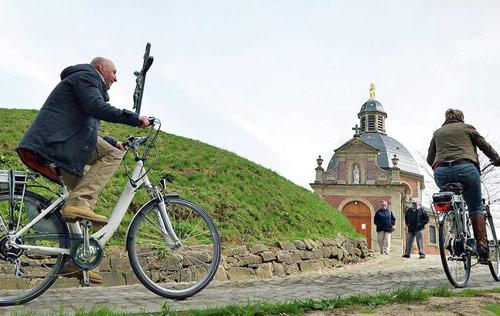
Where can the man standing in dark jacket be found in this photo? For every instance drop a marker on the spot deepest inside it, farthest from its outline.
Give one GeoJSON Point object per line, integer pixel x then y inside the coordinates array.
{"type": "Point", "coordinates": [65, 131]}
{"type": "Point", "coordinates": [415, 218]}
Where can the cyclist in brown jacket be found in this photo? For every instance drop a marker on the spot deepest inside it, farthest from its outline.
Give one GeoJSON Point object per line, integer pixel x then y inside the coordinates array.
{"type": "Point", "coordinates": [453, 156]}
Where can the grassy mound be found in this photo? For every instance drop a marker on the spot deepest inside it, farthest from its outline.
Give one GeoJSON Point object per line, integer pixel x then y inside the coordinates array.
{"type": "Point", "coordinates": [248, 202]}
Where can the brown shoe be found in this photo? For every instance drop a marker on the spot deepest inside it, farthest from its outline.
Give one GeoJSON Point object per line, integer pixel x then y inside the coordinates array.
{"type": "Point", "coordinates": [72, 214]}
{"type": "Point", "coordinates": [72, 271]}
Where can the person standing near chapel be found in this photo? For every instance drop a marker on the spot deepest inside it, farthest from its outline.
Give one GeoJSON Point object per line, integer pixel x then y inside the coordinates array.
{"type": "Point", "coordinates": [415, 218]}
{"type": "Point", "coordinates": [384, 221]}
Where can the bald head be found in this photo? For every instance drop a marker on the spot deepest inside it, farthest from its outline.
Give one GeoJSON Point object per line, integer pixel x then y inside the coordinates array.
{"type": "Point", "coordinates": [106, 68]}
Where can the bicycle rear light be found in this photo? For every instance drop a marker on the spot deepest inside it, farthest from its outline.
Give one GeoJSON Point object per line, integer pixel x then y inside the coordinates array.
{"type": "Point", "coordinates": [442, 207]}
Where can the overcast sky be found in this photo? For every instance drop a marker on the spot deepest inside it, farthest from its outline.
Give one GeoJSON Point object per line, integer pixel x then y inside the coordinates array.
{"type": "Point", "coordinates": [277, 82]}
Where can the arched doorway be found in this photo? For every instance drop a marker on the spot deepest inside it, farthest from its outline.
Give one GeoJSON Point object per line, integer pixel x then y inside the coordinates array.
{"type": "Point", "coordinates": [360, 217]}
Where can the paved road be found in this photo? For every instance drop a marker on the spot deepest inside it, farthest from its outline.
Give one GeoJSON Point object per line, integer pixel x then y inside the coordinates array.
{"type": "Point", "coordinates": [378, 274]}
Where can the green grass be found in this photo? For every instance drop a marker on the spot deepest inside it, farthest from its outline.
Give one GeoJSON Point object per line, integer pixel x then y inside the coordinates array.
{"type": "Point", "coordinates": [494, 308]}
{"type": "Point", "coordinates": [249, 203]}
{"type": "Point", "coordinates": [360, 303]}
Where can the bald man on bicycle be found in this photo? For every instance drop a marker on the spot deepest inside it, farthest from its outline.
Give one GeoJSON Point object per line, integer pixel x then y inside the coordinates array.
{"type": "Point", "coordinates": [66, 132]}
{"type": "Point", "coordinates": [453, 156]}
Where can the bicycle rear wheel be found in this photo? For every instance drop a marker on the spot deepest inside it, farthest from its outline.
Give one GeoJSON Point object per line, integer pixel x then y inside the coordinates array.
{"type": "Point", "coordinates": [26, 275]}
{"type": "Point", "coordinates": [494, 247]}
{"type": "Point", "coordinates": [174, 270]}
{"type": "Point", "coordinates": [456, 261]}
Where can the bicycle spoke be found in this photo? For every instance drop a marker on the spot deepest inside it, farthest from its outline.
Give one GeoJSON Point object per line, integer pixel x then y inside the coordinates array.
{"type": "Point", "coordinates": [169, 269]}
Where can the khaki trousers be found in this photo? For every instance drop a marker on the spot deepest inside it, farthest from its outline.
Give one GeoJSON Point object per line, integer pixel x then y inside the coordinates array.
{"type": "Point", "coordinates": [103, 163]}
{"type": "Point", "coordinates": [384, 242]}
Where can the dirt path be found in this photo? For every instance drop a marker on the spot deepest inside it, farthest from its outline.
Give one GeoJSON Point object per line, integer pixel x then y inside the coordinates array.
{"type": "Point", "coordinates": [442, 306]}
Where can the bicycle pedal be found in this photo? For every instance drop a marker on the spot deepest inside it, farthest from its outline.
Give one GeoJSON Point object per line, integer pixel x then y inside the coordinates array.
{"type": "Point", "coordinates": [85, 281]}
{"type": "Point", "coordinates": [86, 223]}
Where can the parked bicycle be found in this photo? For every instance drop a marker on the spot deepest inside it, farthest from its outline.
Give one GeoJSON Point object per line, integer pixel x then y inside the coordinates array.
{"type": "Point", "coordinates": [457, 245]}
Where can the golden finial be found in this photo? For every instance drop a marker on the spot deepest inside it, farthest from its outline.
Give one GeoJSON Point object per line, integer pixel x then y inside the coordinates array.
{"type": "Point", "coordinates": [372, 91]}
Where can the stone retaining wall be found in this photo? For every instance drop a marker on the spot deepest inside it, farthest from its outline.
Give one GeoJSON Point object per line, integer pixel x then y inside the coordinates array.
{"type": "Point", "coordinates": [259, 261]}
{"type": "Point", "coordinates": [288, 258]}
{"type": "Point", "coordinates": [243, 263]}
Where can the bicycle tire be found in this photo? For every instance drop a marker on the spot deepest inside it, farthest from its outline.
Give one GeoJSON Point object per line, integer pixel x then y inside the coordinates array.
{"type": "Point", "coordinates": [35, 284]}
{"type": "Point", "coordinates": [457, 266]}
{"type": "Point", "coordinates": [494, 247]}
{"type": "Point", "coordinates": [174, 273]}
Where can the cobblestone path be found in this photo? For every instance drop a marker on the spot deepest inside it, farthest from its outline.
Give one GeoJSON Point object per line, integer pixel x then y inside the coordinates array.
{"type": "Point", "coordinates": [378, 274]}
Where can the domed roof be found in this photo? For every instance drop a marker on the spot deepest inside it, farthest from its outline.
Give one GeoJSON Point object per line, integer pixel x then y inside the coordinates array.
{"type": "Point", "coordinates": [387, 147]}
{"type": "Point", "coordinates": [371, 105]}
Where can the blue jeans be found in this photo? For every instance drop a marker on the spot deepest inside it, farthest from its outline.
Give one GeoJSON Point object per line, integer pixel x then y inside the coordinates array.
{"type": "Point", "coordinates": [468, 175]}
{"type": "Point", "coordinates": [420, 242]}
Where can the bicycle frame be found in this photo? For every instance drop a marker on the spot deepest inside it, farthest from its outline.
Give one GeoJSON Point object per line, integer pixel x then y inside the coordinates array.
{"type": "Point", "coordinates": [106, 232]}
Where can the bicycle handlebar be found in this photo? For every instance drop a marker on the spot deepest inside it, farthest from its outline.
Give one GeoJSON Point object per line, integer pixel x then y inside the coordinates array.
{"type": "Point", "coordinates": [487, 167]}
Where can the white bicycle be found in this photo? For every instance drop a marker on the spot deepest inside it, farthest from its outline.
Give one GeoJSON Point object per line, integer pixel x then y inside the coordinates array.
{"type": "Point", "coordinates": [172, 244]}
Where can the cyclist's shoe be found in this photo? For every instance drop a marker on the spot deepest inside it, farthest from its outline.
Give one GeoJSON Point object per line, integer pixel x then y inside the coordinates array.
{"type": "Point", "coordinates": [406, 256]}
{"type": "Point", "coordinates": [72, 271]}
{"type": "Point", "coordinates": [72, 214]}
{"type": "Point", "coordinates": [422, 256]}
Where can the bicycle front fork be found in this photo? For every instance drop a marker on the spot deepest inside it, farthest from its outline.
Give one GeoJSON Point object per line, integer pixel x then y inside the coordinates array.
{"type": "Point", "coordinates": [166, 225]}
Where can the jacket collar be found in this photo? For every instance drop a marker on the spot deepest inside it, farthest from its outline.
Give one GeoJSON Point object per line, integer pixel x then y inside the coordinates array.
{"type": "Point", "coordinates": [452, 121]}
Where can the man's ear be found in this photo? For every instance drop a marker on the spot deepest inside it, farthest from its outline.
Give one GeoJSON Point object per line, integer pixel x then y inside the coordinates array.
{"type": "Point", "coordinates": [100, 68]}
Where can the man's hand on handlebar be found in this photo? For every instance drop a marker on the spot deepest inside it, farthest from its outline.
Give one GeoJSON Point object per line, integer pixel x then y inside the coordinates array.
{"type": "Point", "coordinates": [145, 122]}
{"type": "Point", "coordinates": [496, 162]}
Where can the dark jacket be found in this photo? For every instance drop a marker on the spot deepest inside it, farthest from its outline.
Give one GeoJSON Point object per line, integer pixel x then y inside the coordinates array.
{"type": "Point", "coordinates": [416, 219]}
{"type": "Point", "coordinates": [457, 140]}
{"type": "Point", "coordinates": [384, 220]}
{"type": "Point", "coordinates": [66, 128]}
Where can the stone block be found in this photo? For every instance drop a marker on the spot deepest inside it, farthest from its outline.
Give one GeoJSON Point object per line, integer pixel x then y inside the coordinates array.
{"type": "Point", "coordinates": [317, 253]}
{"type": "Point", "coordinates": [326, 251]}
{"type": "Point", "coordinates": [299, 244]}
{"type": "Point", "coordinates": [285, 245]}
{"type": "Point", "coordinates": [249, 259]}
{"type": "Point", "coordinates": [236, 251]}
{"type": "Point", "coordinates": [328, 241]}
{"type": "Point", "coordinates": [306, 255]}
{"type": "Point", "coordinates": [194, 258]}
{"type": "Point", "coordinates": [283, 256]}
{"type": "Point", "coordinates": [264, 271]}
{"type": "Point", "coordinates": [310, 244]}
{"type": "Point", "coordinates": [258, 249]}
{"type": "Point", "coordinates": [105, 264]}
{"type": "Point", "coordinates": [311, 265]}
{"type": "Point", "coordinates": [240, 274]}
{"type": "Point", "coordinates": [221, 274]}
{"type": "Point", "coordinates": [291, 268]}
{"type": "Point", "coordinates": [278, 269]}
{"type": "Point", "coordinates": [267, 256]}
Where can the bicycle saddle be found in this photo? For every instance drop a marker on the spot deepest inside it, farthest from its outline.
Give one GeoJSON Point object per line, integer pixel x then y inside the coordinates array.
{"type": "Point", "coordinates": [38, 164]}
{"type": "Point", "coordinates": [455, 187]}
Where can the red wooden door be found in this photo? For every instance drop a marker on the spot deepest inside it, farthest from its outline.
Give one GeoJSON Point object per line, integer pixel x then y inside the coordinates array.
{"type": "Point", "coordinates": [360, 217]}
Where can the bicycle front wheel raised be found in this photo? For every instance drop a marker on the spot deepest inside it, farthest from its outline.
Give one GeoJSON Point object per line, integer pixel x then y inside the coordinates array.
{"type": "Point", "coordinates": [494, 247]}
{"type": "Point", "coordinates": [174, 270]}
{"type": "Point", "coordinates": [456, 261]}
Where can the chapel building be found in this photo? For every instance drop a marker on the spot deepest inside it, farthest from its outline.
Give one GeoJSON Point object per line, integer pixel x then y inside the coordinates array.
{"type": "Point", "coordinates": [371, 167]}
